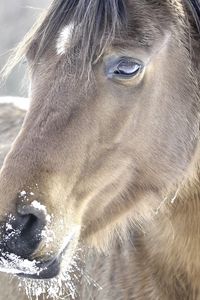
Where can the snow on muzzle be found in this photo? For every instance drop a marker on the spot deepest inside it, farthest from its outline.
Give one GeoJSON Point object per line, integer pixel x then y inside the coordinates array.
{"type": "Point", "coordinates": [36, 268]}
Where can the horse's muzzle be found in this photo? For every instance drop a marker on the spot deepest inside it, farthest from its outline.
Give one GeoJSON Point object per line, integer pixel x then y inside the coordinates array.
{"type": "Point", "coordinates": [22, 232]}
{"type": "Point", "coordinates": [46, 270]}
{"type": "Point", "coordinates": [21, 236]}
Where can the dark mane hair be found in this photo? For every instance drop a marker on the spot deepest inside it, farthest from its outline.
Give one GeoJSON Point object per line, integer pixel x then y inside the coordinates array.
{"type": "Point", "coordinates": [99, 21]}
{"type": "Point", "coordinates": [195, 9]}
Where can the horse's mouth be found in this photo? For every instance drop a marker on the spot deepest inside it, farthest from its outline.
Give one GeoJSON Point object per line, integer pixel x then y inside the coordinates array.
{"type": "Point", "coordinates": [39, 269]}
{"type": "Point", "coordinates": [46, 270]}
{"type": "Point", "coordinates": [35, 269]}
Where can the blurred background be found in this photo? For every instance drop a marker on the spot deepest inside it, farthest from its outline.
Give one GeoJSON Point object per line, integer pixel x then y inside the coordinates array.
{"type": "Point", "coordinates": [16, 18]}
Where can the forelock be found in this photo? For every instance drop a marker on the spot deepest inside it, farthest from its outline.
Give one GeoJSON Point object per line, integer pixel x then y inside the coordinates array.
{"type": "Point", "coordinates": [95, 24]}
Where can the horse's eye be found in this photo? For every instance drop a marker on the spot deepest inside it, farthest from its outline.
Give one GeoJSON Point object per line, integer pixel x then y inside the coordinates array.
{"type": "Point", "coordinates": [128, 68]}
{"type": "Point", "coordinates": [124, 68]}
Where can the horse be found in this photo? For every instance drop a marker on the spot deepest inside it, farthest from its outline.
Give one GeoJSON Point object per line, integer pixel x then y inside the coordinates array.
{"type": "Point", "coordinates": [99, 194]}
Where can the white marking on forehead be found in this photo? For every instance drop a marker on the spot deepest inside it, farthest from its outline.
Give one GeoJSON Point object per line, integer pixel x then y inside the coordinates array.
{"type": "Point", "coordinates": [64, 38]}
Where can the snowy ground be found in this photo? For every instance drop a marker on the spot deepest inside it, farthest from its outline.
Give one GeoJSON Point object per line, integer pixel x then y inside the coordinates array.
{"type": "Point", "coordinates": [12, 112]}
{"type": "Point", "coordinates": [21, 103]}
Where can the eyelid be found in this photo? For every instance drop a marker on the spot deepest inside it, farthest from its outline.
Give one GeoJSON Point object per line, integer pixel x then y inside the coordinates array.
{"type": "Point", "coordinates": [113, 63]}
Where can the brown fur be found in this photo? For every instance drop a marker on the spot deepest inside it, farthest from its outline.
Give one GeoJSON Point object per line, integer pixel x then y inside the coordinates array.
{"type": "Point", "coordinates": [120, 160]}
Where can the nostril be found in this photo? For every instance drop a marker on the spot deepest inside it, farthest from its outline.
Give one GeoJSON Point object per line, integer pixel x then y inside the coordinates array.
{"type": "Point", "coordinates": [33, 209]}
{"type": "Point", "coordinates": [31, 228]}
{"type": "Point", "coordinates": [25, 231]}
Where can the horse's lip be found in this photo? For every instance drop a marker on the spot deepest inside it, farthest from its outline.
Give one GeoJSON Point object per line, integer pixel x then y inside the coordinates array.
{"type": "Point", "coordinates": [50, 268]}
{"type": "Point", "coordinates": [47, 269]}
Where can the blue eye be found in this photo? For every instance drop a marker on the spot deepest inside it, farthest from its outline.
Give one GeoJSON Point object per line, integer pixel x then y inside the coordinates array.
{"type": "Point", "coordinates": [123, 68]}
{"type": "Point", "coordinates": [129, 68]}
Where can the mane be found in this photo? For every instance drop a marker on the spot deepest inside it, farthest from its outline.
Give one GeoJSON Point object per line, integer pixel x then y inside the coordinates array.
{"type": "Point", "coordinates": [95, 25]}
{"type": "Point", "coordinates": [195, 9]}
{"type": "Point", "coordinates": [95, 22]}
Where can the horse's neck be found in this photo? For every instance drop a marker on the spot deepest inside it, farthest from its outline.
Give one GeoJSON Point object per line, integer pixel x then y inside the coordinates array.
{"type": "Point", "coordinates": [121, 274]}
{"type": "Point", "coordinates": [173, 244]}
{"type": "Point", "coordinates": [129, 272]}
{"type": "Point", "coordinates": [161, 264]}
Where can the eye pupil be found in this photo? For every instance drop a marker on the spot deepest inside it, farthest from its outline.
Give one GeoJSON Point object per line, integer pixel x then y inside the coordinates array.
{"type": "Point", "coordinates": [117, 72]}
